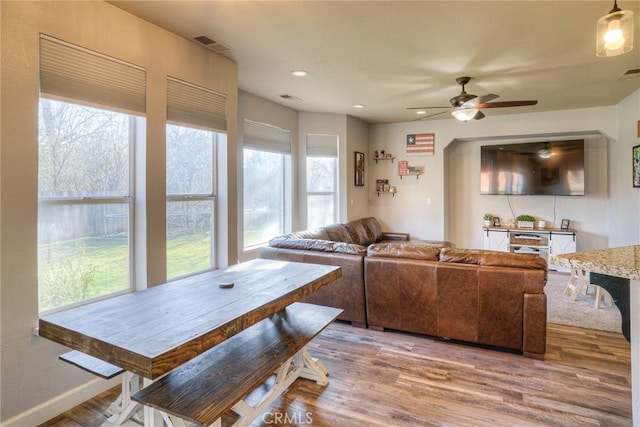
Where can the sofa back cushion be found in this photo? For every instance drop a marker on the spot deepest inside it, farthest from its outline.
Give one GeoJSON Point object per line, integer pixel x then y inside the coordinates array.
{"type": "Point", "coordinates": [407, 250]}
{"type": "Point", "coordinates": [493, 258]}
{"type": "Point", "coordinates": [358, 233]}
{"type": "Point", "coordinates": [337, 233]}
{"type": "Point", "coordinates": [287, 242]}
{"type": "Point", "coordinates": [373, 227]}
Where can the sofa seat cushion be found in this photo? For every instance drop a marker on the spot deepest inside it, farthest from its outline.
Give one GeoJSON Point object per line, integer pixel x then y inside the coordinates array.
{"type": "Point", "coordinates": [287, 242]}
{"type": "Point", "coordinates": [410, 250]}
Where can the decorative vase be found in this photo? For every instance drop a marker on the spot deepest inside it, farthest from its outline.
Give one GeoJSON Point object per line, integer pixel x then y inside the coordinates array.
{"type": "Point", "coordinates": [542, 224]}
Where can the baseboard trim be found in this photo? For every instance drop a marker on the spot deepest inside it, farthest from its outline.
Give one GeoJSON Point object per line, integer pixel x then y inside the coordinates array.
{"type": "Point", "coordinates": [59, 404]}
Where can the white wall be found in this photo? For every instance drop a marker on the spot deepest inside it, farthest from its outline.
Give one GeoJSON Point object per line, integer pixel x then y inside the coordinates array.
{"type": "Point", "coordinates": [30, 373]}
{"type": "Point", "coordinates": [357, 201]}
{"type": "Point", "coordinates": [450, 182]}
{"type": "Point", "coordinates": [624, 200]}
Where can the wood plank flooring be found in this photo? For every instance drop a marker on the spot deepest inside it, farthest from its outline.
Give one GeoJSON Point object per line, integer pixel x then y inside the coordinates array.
{"type": "Point", "coordinates": [395, 379]}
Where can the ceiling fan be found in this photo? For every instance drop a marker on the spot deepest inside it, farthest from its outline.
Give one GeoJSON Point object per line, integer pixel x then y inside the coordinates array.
{"type": "Point", "coordinates": [468, 106]}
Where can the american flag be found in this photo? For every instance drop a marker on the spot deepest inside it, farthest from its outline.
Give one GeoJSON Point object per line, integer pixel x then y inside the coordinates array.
{"type": "Point", "coordinates": [421, 143]}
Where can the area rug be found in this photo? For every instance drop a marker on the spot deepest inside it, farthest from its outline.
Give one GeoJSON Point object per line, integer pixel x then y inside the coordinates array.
{"type": "Point", "coordinates": [582, 311]}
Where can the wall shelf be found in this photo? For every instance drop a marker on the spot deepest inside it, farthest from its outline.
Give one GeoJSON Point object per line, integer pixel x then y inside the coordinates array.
{"type": "Point", "coordinates": [393, 193]}
{"type": "Point", "coordinates": [417, 175]}
{"type": "Point", "coordinates": [383, 158]}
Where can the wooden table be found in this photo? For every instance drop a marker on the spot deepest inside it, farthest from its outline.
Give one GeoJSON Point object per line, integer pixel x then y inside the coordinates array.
{"type": "Point", "coordinates": [621, 262]}
{"type": "Point", "coordinates": [153, 331]}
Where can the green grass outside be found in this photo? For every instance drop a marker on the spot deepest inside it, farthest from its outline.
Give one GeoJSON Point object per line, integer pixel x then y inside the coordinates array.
{"type": "Point", "coordinates": [102, 264]}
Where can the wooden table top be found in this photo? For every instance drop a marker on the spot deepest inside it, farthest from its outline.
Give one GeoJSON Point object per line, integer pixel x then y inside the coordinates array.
{"type": "Point", "coordinates": [151, 332]}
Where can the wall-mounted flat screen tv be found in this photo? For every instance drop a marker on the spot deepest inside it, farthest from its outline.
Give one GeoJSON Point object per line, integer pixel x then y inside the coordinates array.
{"type": "Point", "coordinates": [533, 168]}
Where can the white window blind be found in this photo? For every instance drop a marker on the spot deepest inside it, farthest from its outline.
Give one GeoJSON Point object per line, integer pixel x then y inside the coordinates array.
{"type": "Point", "coordinates": [322, 145]}
{"type": "Point", "coordinates": [188, 104]}
{"type": "Point", "coordinates": [74, 73]}
{"type": "Point", "coordinates": [262, 136]}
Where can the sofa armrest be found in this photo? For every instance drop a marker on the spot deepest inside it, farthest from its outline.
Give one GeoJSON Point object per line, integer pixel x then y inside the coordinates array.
{"type": "Point", "coordinates": [386, 235]}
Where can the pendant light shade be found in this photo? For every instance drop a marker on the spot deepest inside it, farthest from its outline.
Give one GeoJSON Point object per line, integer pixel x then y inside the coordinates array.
{"type": "Point", "coordinates": [615, 32]}
{"type": "Point", "coordinates": [464, 114]}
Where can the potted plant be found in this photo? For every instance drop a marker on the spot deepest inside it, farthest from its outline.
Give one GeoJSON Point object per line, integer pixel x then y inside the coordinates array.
{"type": "Point", "coordinates": [487, 219]}
{"type": "Point", "coordinates": [525, 221]}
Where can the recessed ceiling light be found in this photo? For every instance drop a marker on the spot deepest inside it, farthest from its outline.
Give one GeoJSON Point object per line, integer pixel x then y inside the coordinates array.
{"type": "Point", "coordinates": [421, 112]}
{"type": "Point", "coordinates": [300, 73]}
{"type": "Point", "coordinates": [358, 106]}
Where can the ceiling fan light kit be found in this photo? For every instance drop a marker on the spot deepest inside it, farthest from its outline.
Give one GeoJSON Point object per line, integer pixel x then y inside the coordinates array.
{"type": "Point", "coordinates": [615, 32]}
{"type": "Point", "coordinates": [464, 114]}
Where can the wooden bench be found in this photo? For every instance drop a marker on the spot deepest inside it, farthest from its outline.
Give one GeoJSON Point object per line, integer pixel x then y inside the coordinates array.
{"type": "Point", "coordinates": [123, 408]}
{"type": "Point", "coordinates": [91, 364]}
{"type": "Point", "coordinates": [204, 388]}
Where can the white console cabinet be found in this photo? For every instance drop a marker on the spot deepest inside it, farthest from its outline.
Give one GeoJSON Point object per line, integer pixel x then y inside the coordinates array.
{"type": "Point", "coordinates": [538, 241]}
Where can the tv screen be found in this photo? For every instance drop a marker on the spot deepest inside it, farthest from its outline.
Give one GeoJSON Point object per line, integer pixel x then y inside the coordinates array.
{"type": "Point", "coordinates": [533, 168]}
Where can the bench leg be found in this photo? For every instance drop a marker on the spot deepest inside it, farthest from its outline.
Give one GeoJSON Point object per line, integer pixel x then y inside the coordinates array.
{"type": "Point", "coordinates": [301, 365]}
{"type": "Point", "coordinates": [312, 368]}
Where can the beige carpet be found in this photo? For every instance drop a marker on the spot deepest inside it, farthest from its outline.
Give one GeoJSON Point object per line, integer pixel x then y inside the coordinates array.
{"type": "Point", "coordinates": [582, 311]}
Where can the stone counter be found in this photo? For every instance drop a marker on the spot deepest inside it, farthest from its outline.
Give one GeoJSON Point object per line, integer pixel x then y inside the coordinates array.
{"type": "Point", "coordinates": [619, 262]}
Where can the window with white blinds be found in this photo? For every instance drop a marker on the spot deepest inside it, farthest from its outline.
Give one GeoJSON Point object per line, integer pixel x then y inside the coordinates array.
{"type": "Point", "coordinates": [196, 120]}
{"type": "Point", "coordinates": [90, 107]}
{"type": "Point", "coordinates": [188, 104]}
{"type": "Point", "coordinates": [70, 72]}
{"type": "Point", "coordinates": [266, 183]}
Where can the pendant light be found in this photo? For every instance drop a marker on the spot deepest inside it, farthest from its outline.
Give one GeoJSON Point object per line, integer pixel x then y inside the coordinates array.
{"type": "Point", "coordinates": [615, 32]}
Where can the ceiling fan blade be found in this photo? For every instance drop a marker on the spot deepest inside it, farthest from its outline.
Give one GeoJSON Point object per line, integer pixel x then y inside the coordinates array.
{"type": "Point", "coordinates": [504, 104]}
{"type": "Point", "coordinates": [480, 100]}
{"type": "Point", "coordinates": [430, 115]}
{"type": "Point", "coordinates": [479, 115]}
{"type": "Point", "coordinates": [426, 108]}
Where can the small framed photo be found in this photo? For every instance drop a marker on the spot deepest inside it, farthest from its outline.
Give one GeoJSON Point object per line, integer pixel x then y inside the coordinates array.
{"type": "Point", "coordinates": [636, 166]}
{"type": "Point", "coordinates": [496, 221]}
{"type": "Point", "coordinates": [359, 169]}
{"type": "Point", "coordinates": [564, 225]}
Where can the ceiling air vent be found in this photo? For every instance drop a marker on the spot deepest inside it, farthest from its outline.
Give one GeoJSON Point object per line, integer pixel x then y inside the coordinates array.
{"type": "Point", "coordinates": [289, 97]}
{"type": "Point", "coordinates": [630, 74]}
{"type": "Point", "coordinates": [211, 44]}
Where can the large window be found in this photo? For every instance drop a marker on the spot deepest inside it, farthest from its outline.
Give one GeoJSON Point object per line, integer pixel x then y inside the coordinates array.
{"type": "Point", "coordinates": [84, 203]}
{"type": "Point", "coordinates": [322, 180]}
{"type": "Point", "coordinates": [87, 128]}
{"type": "Point", "coordinates": [195, 115]}
{"type": "Point", "coordinates": [266, 183]}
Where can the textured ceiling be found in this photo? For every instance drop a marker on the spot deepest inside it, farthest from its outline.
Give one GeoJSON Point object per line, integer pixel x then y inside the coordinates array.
{"type": "Point", "coordinates": [389, 55]}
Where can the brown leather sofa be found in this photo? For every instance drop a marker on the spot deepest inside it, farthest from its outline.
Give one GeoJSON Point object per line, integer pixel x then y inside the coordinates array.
{"type": "Point", "coordinates": [491, 298]}
{"type": "Point", "coordinates": [344, 245]}
{"type": "Point", "coordinates": [390, 282]}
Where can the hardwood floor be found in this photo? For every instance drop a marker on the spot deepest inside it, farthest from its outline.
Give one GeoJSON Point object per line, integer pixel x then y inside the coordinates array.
{"type": "Point", "coordinates": [395, 379]}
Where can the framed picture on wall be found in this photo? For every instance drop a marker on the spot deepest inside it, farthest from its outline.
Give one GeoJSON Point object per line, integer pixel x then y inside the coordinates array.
{"type": "Point", "coordinates": [359, 169]}
{"type": "Point", "coordinates": [636, 166]}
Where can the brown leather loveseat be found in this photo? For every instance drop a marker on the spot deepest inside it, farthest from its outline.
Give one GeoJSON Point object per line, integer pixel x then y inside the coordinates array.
{"type": "Point", "coordinates": [491, 298]}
